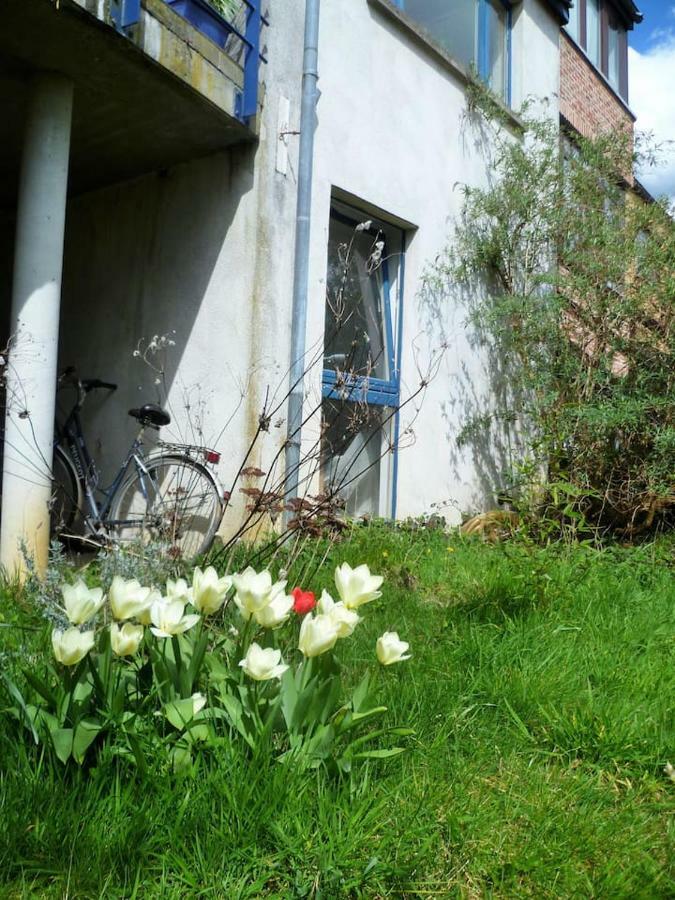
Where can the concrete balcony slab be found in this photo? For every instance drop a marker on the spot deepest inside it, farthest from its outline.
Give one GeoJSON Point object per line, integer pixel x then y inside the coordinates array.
{"type": "Point", "coordinates": [161, 94]}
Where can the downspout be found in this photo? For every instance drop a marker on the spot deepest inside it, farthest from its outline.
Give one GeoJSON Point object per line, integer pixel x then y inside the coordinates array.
{"type": "Point", "coordinates": [310, 96]}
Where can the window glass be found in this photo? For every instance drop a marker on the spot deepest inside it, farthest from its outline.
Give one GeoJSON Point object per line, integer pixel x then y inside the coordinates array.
{"type": "Point", "coordinates": [497, 20]}
{"type": "Point", "coordinates": [613, 54]}
{"type": "Point", "coordinates": [351, 451]}
{"type": "Point", "coordinates": [593, 31]}
{"type": "Point", "coordinates": [355, 335]}
{"type": "Point", "coordinates": [450, 22]}
{"type": "Point", "coordinates": [572, 27]}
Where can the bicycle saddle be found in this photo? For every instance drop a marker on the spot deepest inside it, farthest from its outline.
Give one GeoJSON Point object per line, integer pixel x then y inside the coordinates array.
{"type": "Point", "coordinates": [151, 414]}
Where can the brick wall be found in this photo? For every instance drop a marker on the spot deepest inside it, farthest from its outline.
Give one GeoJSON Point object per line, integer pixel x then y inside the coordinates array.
{"type": "Point", "coordinates": [586, 100]}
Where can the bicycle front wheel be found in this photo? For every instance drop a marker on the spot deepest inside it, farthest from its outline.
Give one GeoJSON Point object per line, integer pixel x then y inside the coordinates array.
{"type": "Point", "coordinates": [172, 500]}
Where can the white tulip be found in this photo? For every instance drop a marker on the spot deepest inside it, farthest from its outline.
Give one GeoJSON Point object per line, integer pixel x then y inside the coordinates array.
{"type": "Point", "coordinates": [208, 590]}
{"type": "Point", "coordinates": [262, 664]}
{"type": "Point", "coordinates": [344, 619]}
{"type": "Point", "coordinates": [317, 634]}
{"type": "Point", "coordinates": [252, 590]}
{"type": "Point", "coordinates": [177, 590]}
{"type": "Point", "coordinates": [277, 610]}
{"type": "Point", "coordinates": [167, 618]}
{"type": "Point", "coordinates": [72, 645]}
{"type": "Point", "coordinates": [198, 703]}
{"type": "Point", "coordinates": [143, 614]}
{"type": "Point", "coordinates": [125, 639]}
{"type": "Point", "coordinates": [391, 649]}
{"type": "Point", "coordinates": [357, 586]}
{"type": "Point", "coordinates": [128, 600]}
{"type": "Point", "coordinates": [81, 603]}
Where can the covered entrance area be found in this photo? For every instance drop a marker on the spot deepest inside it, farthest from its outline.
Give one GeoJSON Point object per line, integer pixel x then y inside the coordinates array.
{"type": "Point", "coordinates": [90, 98]}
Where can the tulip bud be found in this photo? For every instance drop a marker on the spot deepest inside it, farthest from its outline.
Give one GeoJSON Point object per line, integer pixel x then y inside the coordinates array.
{"type": "Point", "coordinates": [263, 664]}
{"type": "Point", "coordinates": [252, 590]}
{"type": "Point", "coordinates": [304, 601]}
{"type": "Point", "coordinates": [357, 586]}
{"type": "Point", "coordinates": [81, 603]}
{"type": "Point", "coordinates": [125, 640]}
{"type": "Point", "coordinates": [344, 619]}
{"type": "Point", "coordinates": [177, 590]}
{"type": "Point", "coordinates": [390, 649]}
{"type": "Point", "coordinates": [277, 610]}
{"type": "Point", "coordinates": [128, 600]}
{"type": "Point", "coordinates": [317, 635]}
{"type": "Point", "coordinates": [72, 645]}
{"type": "Point", "coordinates": [208, 590]}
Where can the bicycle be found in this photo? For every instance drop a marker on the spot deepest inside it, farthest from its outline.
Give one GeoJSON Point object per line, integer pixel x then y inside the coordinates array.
{"type": "Point", "coordinates": [168, 495]}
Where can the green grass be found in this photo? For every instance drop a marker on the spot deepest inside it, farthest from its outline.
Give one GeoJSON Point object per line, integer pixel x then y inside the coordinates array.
{"type": "Point", "coordinates": [541, 692]}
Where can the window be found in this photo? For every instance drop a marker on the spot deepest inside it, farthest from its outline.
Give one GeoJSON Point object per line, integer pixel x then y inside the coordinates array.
{"type": "Point", "coordinates": [613, 53]}
{"type": "Point", "coordinates": [360, 382]}
{"type": "Point", "coordinates": [593, 31]}
{"type": "Point", "coordinates": [596, 27]}
{"type": "Point", "coordinates": [474, 32]}
{"type": "Point", "coordinates": [572, 27]}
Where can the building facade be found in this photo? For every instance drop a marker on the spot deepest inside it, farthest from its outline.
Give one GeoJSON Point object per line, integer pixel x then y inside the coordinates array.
{"type": "Point", "coordinates": [178, 218]}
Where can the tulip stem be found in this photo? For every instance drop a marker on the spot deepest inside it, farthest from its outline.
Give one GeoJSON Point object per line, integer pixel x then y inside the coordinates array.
{"type": "Point", "coordinates": [179, 662]}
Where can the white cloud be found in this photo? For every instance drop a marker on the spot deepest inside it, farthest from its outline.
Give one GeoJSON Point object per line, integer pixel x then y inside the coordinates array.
{"type": "Point", "coordinates": [652, 99]}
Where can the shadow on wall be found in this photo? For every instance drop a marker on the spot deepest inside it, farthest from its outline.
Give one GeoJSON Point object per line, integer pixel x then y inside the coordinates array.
{"type": "Point", "coordinates": [480, 433]}
{"type": "Point", "coordinates": [479, 391]}
{"type": "Point", "coordinates": [139, 259]}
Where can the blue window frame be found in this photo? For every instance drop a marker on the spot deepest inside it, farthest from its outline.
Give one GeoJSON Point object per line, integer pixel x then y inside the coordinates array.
{"type": "Point", "coordinates": [475, 32]}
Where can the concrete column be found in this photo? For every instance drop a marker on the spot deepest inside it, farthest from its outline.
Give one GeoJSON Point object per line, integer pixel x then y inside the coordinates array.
{"type": "Point", "coordinates": [36, 297]}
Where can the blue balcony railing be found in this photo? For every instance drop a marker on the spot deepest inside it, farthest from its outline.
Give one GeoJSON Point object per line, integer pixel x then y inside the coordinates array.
{"type": "Point", "coordinates": [238, 34]}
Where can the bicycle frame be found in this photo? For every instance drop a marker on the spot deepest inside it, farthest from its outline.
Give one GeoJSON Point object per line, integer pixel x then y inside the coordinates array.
{"type": "Point", "coordinates": [71, 436]}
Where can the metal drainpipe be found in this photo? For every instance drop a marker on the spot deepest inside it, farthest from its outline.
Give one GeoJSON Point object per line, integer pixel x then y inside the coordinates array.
{"type": "Point", "coordinates": [310, 96]}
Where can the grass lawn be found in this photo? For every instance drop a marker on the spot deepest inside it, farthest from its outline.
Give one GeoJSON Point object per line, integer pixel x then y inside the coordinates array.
{"type": "Point", "coordinates": [541, 692]}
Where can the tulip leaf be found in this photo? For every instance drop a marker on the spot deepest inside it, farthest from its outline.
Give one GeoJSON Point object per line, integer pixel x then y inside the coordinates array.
{"type": "Point", "coordinates": [379, 754]}
{"type": "Point", "coordinates": [82, 692]}
{"type": "Point", "coordinates": [197, 659]}
{"type": "Point", "coordinates": [62, 738]}
{"type": "Point", "coordinates": [139, 756]}
{"type": "Point", "coordinates": [85, 734]}
{"type": "Point", "coordinates": [235, 713]}
{"type": "Point", "coordinates": [22, 713]}
{"type": "Point", "coordinates": [198, 731]}
{"type": "Point", "coordinates": [38, 685]}
{"type": "Point", "coordinates": [359, 718]}
{"type": "Point", "coordinates": [181, 758]}
{"type": "Point", "coordinates": [179, 712]}
{"type": "Point", "coordinates": [360, 695]}
{"type": "Point", "coordinates": [288, 691]}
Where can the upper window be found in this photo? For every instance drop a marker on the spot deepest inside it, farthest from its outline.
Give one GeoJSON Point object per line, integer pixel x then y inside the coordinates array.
{"type": "Point", "coordinates": [593, 31]}
{"type": "Point", "coordinates": [595, 27]}
{"type": "Point", "coordinates": [614, 53]}
{"type": "Point", "coordinates": [474, 32]}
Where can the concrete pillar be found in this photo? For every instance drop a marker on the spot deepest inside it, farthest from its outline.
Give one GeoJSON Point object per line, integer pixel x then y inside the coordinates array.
{"type": "Point", "coordinates": [36, 297]}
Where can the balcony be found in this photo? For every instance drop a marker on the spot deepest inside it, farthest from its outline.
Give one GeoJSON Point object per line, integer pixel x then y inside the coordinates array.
{"type": "Point", "coordinates": [154, 85]}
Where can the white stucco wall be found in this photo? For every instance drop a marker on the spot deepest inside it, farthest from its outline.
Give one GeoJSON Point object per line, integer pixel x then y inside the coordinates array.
{"type": "Point", "coordinates": [206, 250]}
{"type": "Point", "coordinates": [393, 131]}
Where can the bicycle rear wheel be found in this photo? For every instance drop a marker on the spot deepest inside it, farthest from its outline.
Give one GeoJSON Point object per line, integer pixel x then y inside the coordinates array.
{"type": "Point", "coordinates": [174, 501]}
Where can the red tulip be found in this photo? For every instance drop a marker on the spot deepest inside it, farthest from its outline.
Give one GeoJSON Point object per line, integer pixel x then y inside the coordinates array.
{"type": "Point", "coordinates": [304, 601]}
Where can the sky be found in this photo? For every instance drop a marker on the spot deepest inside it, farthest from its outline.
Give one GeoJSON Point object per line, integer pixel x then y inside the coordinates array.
{"type": "Point", "coordinates": [651, 87]}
